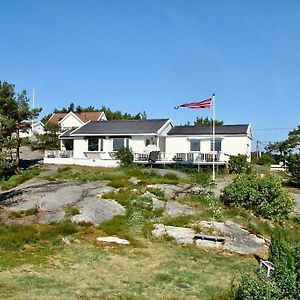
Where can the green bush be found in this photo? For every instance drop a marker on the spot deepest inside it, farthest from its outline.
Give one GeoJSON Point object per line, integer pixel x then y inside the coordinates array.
{"type": "Point", "coordinates": [262, 195]}
{"type": "Point", "coordinates": [281, 255]}
{"type": "Point", "coordinates": [202, 177]}
{"type": "Point", "coordinates": [293, 166]}
{"type": "Point", "coordinates": [125, 155]}
{"type": "Point", "coordinates": [257, 288]}
{"type": "Point", "coordinates": [265, 159]}
{"type": "Point", "coordinates": [238, 164]}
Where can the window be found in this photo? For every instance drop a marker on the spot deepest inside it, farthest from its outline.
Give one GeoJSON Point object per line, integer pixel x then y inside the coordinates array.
{"type": "Point", "coordinates": [194, 145]}
{"type": "Point", "coordinates": [218, 145]}
{"type": "Point", "coordinates": [101, 145]}
{"type": "Point", "coordinates": [119, 143]}
{"type": "Point", "coordinates": [93, 144]}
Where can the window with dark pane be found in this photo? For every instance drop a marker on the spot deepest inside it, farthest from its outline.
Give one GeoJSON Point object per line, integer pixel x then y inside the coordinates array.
{"type": "Point", "coordinates": [93, 144]}
{"type": "Point", "coordinates": [218, 145]}
{"type": "Point", "coordinates": [118, 143]}
{"type": "Point", "coordinates": [194, 145]}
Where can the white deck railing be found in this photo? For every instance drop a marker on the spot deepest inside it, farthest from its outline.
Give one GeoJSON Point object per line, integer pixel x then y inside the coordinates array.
{"type": "Point", "coordinates": [58, 154]}
{"type": "Point", "coordinates": [189, 157]}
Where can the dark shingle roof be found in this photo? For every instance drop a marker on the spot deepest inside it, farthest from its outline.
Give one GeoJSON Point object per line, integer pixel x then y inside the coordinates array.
{"type": "Point", "coordinates": [67, 133]}
{"type": "Point", "coordinates": [121, 127]}
{"type": "Point", "coordinates": [203, 130]}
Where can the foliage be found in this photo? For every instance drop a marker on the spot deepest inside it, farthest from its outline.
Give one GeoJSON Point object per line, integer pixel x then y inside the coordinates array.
{"type": "Point", "coordinates": [293, 166]}
{"type": "Point", "coordinates": [284, 281]}
{"type": "Point", "coordinates": [257, 288]}
{"type": "Point", "coordinates": [263, 195]}
{"type": "Point", "coordinates": [17, 179]}
{"type": "Point", "coordinates": [291, 144]}
{"type": "Point", "coordinates": [280, 254]}
{"type": "Point", "coordinates": [15, 116]}
{"type": "Point", "coordinates": [49, 140]}
{"type": "Point", "coordinates": [202, 177]}
{"type": "Point", "coordinates": [118, 115]}
{"type": "Point", "coordinates": [125, 155]}
{"type": "Point", "coordinates": [238, 164]}
{"type": "Point", "coordinates": [296, 255]}
{"type": "Point", "coordinates": [207, 122]}
{"type": "Point", "coordinates": [16, 237]}
{"type": "Point", "coordinates": [110, 114]}
{"type": "Point", "coordinates": [265, 159]}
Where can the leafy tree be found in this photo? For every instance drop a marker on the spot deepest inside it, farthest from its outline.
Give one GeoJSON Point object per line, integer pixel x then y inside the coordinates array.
{"type": "Point", "coordinates": [207, 122]}
{"type": "Point", "coordinates": [238, 164]}
{"type": "Point", "coordinates": [293, 166]}
{"type": "Point", "coordinates": [71, 107]}
{"type": "Point", "coordinates": [14, 113]}
{"type": "Point", "coordinates": [282, 147]}
{"type": "Point", "coordinates": [49, 140]}
{"type": "Point", "coordinates": [118, 115]}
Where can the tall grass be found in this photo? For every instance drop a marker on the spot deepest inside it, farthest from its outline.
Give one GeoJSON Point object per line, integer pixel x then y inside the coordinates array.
{"type": "Point", "coordinates": [17, 179]}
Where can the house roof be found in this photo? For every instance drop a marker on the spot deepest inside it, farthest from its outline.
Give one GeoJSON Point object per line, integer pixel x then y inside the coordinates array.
{"type": "Point", "coordinates": [84, 116]}
{"type": "Point", "coordinates": [67, 133]}
{"type": "Point", "coordinates": [121, 127]}
{"type": "Point", "coordinates": [204, 130]}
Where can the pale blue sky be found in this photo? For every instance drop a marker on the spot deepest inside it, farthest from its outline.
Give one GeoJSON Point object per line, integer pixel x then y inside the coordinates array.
{"type": "Point", "coordinates": [152, 55]}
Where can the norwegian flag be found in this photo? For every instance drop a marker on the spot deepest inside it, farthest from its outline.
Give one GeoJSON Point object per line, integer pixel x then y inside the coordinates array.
{"type": "Point", "coordinates": [196, 105]}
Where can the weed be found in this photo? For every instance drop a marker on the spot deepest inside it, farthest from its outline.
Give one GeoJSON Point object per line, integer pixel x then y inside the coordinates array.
{"type": "Point", "coordinates": [122, 196]}
{"type": "Point", "coordinates": [157, 192]}
{"type": "Point", "coordinates": [147, 228]}
{"type": "Point", "coordinates": [171, 176]}
{"type": "Point", "coordinates": [72, 211]}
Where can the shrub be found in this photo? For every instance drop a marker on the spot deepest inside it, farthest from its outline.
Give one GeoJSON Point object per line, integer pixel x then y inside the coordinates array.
{"type": "Point", "coordinates": [238, 164]}
{"type": "Point", "coordinates": [202, 177]}
{"type": "Point", "coordinates": [281, 255]}
{"type": "Point", "coordinates": [293, 166]}
{"type": "Point", "coordinates": [125, 155]}
{"type": "Point", "coordinates": [257, 288]}
{"type": "Point", "coordinates": [265, 159]}
{"type": "Point", "coordinates": [263, 195]}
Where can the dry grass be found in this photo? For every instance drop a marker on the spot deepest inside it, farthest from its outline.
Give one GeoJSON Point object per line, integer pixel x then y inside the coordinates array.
{"type": "Point", "coordinates": [95, 271]}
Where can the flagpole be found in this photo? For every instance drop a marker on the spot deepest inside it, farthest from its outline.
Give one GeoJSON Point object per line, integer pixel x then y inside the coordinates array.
{"type": "Point", "coordinates": [33, 100]}
{"type": "Point", "coordinates": [214, 135]}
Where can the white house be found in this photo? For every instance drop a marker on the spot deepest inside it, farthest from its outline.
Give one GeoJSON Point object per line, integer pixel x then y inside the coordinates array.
{"type": "Point", "coordinates": [31, 129]}
{"type": "Point", "coordinates": [95, 143]}
{"type": "Point", "coordinates": [75, 120]}
{"type": "Point", "coordinates": [196, 143]}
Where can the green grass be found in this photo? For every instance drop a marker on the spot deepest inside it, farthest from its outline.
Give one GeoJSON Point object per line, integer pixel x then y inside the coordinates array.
{"type": "Point", "coordinates": [118, 177]}
{"type": "Point", "coordinates": [16, 237]}
{"type": "Point", "coordinates": [15, 180]}
{"type": "Point", "coordinates": [22, 213]}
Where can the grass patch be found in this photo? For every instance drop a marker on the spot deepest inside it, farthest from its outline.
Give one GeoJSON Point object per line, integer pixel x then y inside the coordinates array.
{"type": "Point", "coordinates": [122, 196]}
{"type": "Point", "coordinates": [23, 213]}
{"type": "Point", "coordinates": [72, 211]}
{"type": "Point", "coordinates": [15, 180]}
{"type": "Point", "coordinates": [157, 192]}
{"type": "Point", "coordinates": [16, 237]}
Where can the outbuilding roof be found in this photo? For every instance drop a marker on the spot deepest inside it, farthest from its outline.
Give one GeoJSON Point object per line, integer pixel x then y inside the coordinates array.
{"type": "Point", "coordinates": [121, 127]}
{"type": "Point", "coordinates": [84, 116]}
{"type": "Point", "coordinates": [204, 130]}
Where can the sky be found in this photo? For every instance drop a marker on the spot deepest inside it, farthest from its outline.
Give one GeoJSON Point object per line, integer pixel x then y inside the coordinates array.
{"type": "Point", "coordinates": [150, 56]}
